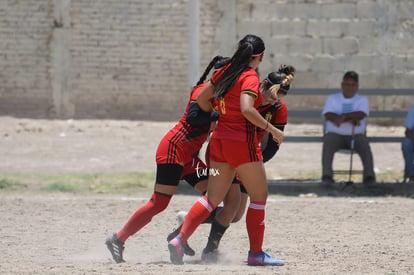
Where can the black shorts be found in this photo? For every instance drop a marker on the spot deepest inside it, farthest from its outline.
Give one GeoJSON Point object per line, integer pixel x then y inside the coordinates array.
{"type": "Point", "coordinates": [237, 181]}
{"type": "Point", "coordinates": [193, 179]}
{"type": "Point", "coordinates": [170, 174]}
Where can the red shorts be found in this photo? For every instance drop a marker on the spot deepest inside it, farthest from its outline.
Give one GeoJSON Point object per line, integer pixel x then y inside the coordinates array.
{"type": "Point", "coordinates": [234, 152]}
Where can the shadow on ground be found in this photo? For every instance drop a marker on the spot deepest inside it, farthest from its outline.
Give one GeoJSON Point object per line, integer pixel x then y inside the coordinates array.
{"type": "Point", "coordinates": [313, 188]}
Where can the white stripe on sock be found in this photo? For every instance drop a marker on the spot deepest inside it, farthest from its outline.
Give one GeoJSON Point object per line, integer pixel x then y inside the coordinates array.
{"type": "Point", "coordinates": [205, 203]}
{"type": "Point", "coordinates": [257, 206]}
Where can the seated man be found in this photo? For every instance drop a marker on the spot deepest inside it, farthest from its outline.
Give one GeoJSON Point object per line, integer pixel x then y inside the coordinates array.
{"type": "Point", "coordinates": [346, 119]}
{"type": "Point", "coordinates": [407, 146]}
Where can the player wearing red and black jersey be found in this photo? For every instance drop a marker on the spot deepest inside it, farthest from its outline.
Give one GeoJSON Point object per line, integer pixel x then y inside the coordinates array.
{"type": "Point", "coordinates": [274, 110]}
{"type": "Point", "coordinates": [176, 159]}
{"type": "Point", "coordinates": [234, 148]}
{"type": "Point", "coordinates": [234, 133]}
{"type": "Point", "coordinates": [178, 150]}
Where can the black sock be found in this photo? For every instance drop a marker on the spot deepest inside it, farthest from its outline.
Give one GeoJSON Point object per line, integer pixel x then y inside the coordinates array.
{"type": "Point", "coordinates": [216, 233]}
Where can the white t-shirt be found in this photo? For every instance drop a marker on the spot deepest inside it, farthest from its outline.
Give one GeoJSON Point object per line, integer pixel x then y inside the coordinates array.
{"type": "Point", "coordinates": [338, 104]}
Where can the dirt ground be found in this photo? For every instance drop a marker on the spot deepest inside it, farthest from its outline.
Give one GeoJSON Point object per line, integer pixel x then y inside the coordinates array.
{"type": "Point", "coordinates": [110, 145]}
{"type": "Point", "coordinates": [65, 233]}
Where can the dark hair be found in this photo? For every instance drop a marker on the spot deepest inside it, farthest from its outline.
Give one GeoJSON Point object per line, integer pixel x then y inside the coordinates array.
{"type": "Point", "coordinates": [279, 76]}
{"type": "Point", "coordinates": [351, 75]}
{"type": "Point", "coordinates": [250, 45]}
{"type": "Point", "coordinates": [274, 78]}
{"type": "Point", "coordinates": [217, 62]}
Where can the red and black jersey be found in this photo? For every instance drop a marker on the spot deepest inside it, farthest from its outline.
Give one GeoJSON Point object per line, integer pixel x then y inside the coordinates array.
{"type": "Point", "coordinates": [183, 141]}
{"type": "Point", "coordinates": [232, 124]}
{"type": "Point", "coordinates": [276, 114]}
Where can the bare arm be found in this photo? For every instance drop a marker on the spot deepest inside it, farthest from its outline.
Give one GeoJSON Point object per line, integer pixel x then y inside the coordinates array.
{"type": "Point", "coordinates": [251, 114]}
{"type": "Point", "coordinates": [203, 98]}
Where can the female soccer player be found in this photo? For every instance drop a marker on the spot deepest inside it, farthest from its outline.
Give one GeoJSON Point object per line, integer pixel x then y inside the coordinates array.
{"type": "Point", "coordinates": [274, 110]}
{"type": "Point", "coordinates": [176, 159]}
{"type": "Point", "coordinates": [234, 148]}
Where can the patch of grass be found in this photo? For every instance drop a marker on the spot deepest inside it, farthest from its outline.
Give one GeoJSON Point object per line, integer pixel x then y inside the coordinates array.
{"type": "Point", "coordinates": [59, 187]}
{"type": "Point", "coordinates": [79, 182]}
{"type": "Point", "coordinates": [132, 182]}
{"type": "Point", "coordinates": [7, 184]}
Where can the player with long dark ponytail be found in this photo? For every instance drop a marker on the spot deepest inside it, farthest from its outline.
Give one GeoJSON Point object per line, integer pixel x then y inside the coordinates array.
{"type": "Point", "coordinates": [234, 148]}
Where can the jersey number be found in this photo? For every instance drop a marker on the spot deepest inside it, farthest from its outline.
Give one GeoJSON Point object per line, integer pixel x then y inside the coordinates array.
{"type": "Point", "coordinates": [222, 106]}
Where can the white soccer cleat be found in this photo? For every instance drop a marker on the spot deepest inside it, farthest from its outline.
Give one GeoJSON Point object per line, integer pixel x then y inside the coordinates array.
{"type": "Point", "coordinates": [181, 217]}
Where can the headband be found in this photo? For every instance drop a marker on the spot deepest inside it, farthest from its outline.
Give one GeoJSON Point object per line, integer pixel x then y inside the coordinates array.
{"type": "Point", "coordinates": [269, 81]}
{"type": "Point", "coordinates": [258, 54]}
{"type": "Point", "coordinates": [281, 87]}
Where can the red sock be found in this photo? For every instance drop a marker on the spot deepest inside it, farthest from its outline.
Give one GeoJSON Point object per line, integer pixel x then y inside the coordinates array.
{"type": "Point", "coordinates": [143, 215]}
{"type": "Point", "coordinates": [255, 225]}
{"type": "Point", "coordinates": [197, 214]}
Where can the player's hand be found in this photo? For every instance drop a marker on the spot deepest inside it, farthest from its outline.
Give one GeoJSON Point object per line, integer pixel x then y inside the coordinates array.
{"type": "Point", "coordinates": [277, 135]}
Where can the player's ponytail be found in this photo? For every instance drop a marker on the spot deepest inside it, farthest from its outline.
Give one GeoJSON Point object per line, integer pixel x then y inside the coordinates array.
{"type": "Point", "coordinates": [217, 62]}
{"type": "Point", "coordinates": [250, 46]}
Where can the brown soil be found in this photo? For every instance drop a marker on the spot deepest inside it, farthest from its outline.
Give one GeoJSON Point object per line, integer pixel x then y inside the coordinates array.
{"type": "Point", "coordinates": [65, 233]}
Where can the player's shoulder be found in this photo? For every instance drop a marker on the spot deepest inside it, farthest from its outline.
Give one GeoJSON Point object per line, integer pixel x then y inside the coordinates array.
{"type": "Point", "coordinates": [282, 104]}
{"type": "Point", "coordinates": [249, 72]}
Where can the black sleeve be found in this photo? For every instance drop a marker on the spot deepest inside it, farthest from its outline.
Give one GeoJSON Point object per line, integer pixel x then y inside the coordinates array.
{"type": "Point", "coordinates": [196, 116]}
{"type": "Point", "coordinates": [271, 147]}
{"type": "Point", "coordinates": [270, 150]}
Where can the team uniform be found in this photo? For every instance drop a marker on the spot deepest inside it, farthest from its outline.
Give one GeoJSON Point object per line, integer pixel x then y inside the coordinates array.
{"type": "Point", "coordinates": [234, 140]}
{"type": "Point", "coordinates": [177, 153]}
{"type": "Point", "coordinates": [176, 158]}
{"type": "Point", "coordinates": [276, 114]}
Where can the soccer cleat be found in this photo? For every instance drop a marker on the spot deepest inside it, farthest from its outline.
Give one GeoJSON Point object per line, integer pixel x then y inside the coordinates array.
{"type": "Point", "coordinates": [263, 258]}
{"type": "Point", "coordinates": [181, 217]}
{"type": "Point", "coordinates": [116, 247]}
{"type": "Point", "coordinates": [187, 249]}
{"type": "Point", "coordinates": [176, 248]}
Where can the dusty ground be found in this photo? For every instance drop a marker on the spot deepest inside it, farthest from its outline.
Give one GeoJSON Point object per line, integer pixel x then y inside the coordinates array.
{"type": "Point", "coordinates": [92, 145]}
{"type": "Point", "coordinates": [64, 234]}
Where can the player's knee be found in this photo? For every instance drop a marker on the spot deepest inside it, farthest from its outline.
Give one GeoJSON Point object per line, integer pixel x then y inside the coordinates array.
{"type": "Point", "coordinates": [159, 202]}
{"type": "Point", "coordinates": [238, 216]}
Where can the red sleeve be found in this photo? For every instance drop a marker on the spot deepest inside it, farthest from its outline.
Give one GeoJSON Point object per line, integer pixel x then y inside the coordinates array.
{"type": "Point", "coordinates": [196, 90]}
{"type": "Point", "coordinates": [280, 117]}
{"type": "Point", "coordinates": [250, 84]}
{"type": "Point", "coordinates": [217, 74]}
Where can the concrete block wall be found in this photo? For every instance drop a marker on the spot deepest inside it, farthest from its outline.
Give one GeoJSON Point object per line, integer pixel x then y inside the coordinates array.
{"type": "Point", "coordinates": [129, 59]}
{"type": "Point", "coordinates": [25, 34]}
{"type": "Point", "coordinates": [371, 37]}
